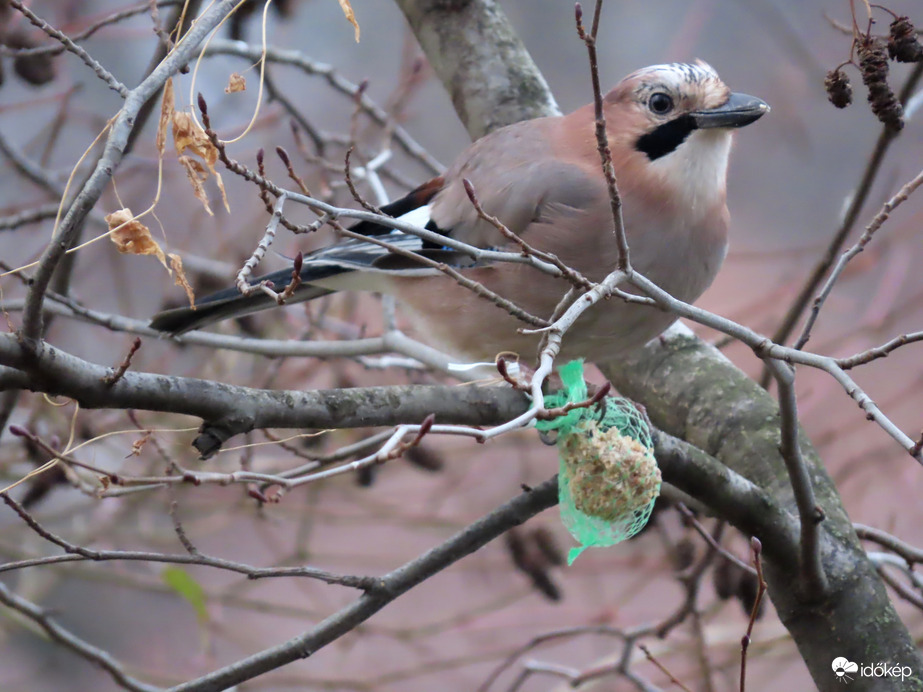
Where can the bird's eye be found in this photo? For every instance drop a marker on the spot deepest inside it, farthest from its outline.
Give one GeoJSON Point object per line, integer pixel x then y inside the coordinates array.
{"type": "Point", "coordinates": [660, 103]}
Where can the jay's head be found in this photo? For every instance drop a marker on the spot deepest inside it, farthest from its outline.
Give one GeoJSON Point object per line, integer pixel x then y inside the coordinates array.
{"type": "Point", "coordinates": [678, 118]}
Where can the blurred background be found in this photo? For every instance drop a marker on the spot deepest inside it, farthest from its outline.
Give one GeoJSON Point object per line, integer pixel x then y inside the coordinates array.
{"type": "Point", "coordinates": [791, 177]}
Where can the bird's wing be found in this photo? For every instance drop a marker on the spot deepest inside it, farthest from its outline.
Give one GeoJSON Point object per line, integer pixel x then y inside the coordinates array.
{"type": "Point", "coordinates": [323, 269]}
{"type": "Point", "coordinates": [516, 176]}
{"type": "Point", "coordinates": [520, 174]}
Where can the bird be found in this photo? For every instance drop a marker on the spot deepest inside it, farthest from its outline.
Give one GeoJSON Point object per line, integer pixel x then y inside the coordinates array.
{"type": "Point", "coordinates": [669, 128]}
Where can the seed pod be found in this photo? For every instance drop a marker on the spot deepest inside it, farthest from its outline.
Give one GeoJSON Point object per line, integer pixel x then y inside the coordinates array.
{"type": "Point", "coordinates": [747, 591]}
{"type": "Point", "coordinates": [726, 578]}
{"type": "Point", "coordinates": [365, 476]}
{"type": "Point", "coordinates": [683, 554]}
{"type": "Point", "coordinates": [424, 458]}
{"type": "Point", "coordinates": [903, 44]}
{"type": "Point", "coordinates": [548, 546]}
{"type": "Point", "coordinates": [873, 63]}
{"type": "Point", "coordinates": [839, 90]}
{"type": "Point", "coordinates": [33, 69]}
{"type": "Point", "coordinates": [529, 559]}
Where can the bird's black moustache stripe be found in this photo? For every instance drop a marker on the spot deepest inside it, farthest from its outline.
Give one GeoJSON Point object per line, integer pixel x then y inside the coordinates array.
{"type": "Point", "coordinates": [666, 138]}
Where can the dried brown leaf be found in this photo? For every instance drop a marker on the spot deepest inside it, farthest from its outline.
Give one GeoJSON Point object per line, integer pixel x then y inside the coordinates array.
{"type": "Point", "coordinates": [350, 16]}
{"type": "Point", "coordinates": [166, 116]}
{"type": "Point", "coordinates": [176, 264]}
{"type": "Point", "coordinates": [132, 237]}
{"type": "Point", "coordinates": [235, 83]}
{"type": "Point", "coordinates": [196, 173]}
{"type": "Point", "coordinates": [224, 194]}
{"type": "Point", "coordinates": [189, 135]}
{"type": "Point", "coordinates": [138, 445]}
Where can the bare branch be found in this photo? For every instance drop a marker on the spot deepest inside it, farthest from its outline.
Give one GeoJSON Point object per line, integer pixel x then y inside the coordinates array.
{"type": "Point", "coordinates": [810, 514]}
{"type": "Point", "coordinates": [910, 553]}
{"type": "Point", "coordinates": [72, 47]}
{"type": "Point", "coordinates": [391, 586]}
{"type": "Point", "coordinates": [756, 547]}
{"type": "Point", "coordinates": [72, 642]}
{"type": "Point", "coordinates": [602, 140]}
{"type": "Point", "coordinates": [857, 202]}
{"type": "Point", "coordinates": [76, 553]}
{"type": "Point", "coordinates": [864, 240]}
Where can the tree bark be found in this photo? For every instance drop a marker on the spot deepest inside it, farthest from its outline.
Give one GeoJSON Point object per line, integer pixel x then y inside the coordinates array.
{"type": "Point", "coordinates": [460, 38]}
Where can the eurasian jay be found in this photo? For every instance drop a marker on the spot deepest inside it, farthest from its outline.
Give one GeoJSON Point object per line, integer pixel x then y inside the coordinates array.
{"type": "Point", "coordinates": [669, 129]}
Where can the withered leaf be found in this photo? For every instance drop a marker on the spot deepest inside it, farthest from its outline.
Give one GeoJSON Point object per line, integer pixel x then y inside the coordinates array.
{"type": "Point", "coordinates": [176, 264]}
{"type": "Point", "coordinates": [196, 174]}
{"type": "Point", "coordinates": [189, 135]}
{"type": "Point", "coordinates": [166, 116]}
{"type": "Point", "coordinates": [132, 237]}
{"type": "Point", "coordinates": [235, 83]}
{"type": "Point", "coordinates": [350, 16]}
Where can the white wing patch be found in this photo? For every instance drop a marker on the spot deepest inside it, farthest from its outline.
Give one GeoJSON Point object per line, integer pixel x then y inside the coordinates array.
{"type": "Point", "coordinates": [418, 217]}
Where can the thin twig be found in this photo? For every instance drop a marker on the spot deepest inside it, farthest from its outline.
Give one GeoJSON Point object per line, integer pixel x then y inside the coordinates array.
{"type": "Point", "coordinates": [180, 531]}
{"type": "Point", "coordinates": [859, 246]}
{"type": "Point", "coordinates": [662, 668]}
{"type": "Point", "coordinates": [120, 371]}
{"type": "Point", "coordinates": [691, 580]}
{"type": "Point", "coordinates": [910, 553]}
{"type": "Point", "coordinates": [476, 287]}
{"type": "Point", "coordinates": [569, 273]}
{"type": "Point", "coordinates": [71, 642]}
{"type": "Point", "coordinates": [33, 215]}
{"type": "Point", "coordinates": [253, 261]}
{"type": "Point", "coordinates": [757, 548]}
{"type": "Point", "coordinates": [352, 187]}
{"type": "Point", "coordinates": [879, 351]}
{"type": "Point", "coordinates": [72, 47]}
{"type": "Point", "coordinates": [689, 517]}
{"type": "Point", "coordinates": [801, 302]}
{"type": "Point", "coordinates": [165, 40]}
{"type": "Point", "coordinates": [113, 18]}
{"type": "Point", "coordinates": [602, 138]}
{"type": "Point", "coordinates": [813, 579]}
{"type": "Point", "coordinates": [904, 591]}
{"type": "Point", "coordinates": [599, 395]}
{"type": "Point", "coordinates": [30, 170]}
{"type": "Point", "coordinates": [76, 553]}
{"type": "Point", "coordinates": [538, 640]}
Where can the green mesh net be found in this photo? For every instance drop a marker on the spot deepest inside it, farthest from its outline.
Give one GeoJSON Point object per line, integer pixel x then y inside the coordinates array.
{"type": "Point", "coordinates": [608, 478]}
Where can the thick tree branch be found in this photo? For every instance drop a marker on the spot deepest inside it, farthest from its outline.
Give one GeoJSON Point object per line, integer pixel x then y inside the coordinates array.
{"type": "Point", "coordinates": [481, 62]}
{"type": "Point", "coordinates": [240, 409]}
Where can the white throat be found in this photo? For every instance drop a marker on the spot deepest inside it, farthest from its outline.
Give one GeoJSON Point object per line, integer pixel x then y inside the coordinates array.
{"type": "Point", "coordinates": [697, 171]}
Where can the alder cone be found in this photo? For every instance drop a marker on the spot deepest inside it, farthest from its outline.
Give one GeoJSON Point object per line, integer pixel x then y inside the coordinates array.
{"type": "Point", "coordinates": [32, 69]}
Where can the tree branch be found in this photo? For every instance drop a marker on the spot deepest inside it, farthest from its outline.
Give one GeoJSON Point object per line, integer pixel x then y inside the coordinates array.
{"type": "Point", "coordinates": [392, 585]}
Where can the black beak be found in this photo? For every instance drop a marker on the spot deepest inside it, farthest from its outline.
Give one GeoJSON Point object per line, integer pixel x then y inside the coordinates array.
{"type": "Point", "coordinates": [739, 110]}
